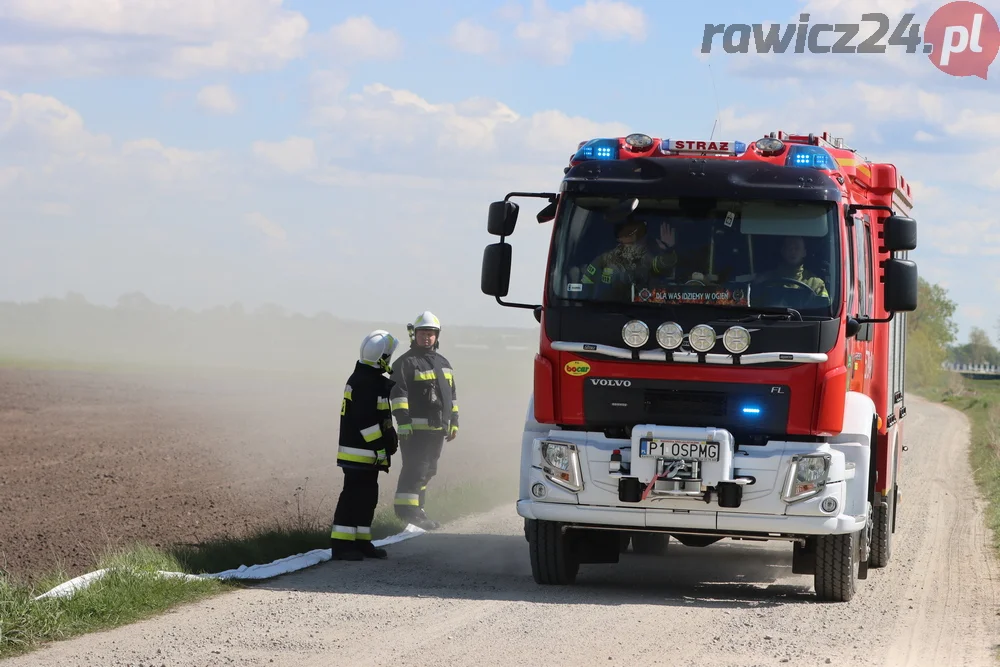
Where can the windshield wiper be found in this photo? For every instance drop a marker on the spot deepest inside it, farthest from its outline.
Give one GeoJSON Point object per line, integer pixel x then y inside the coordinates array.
{"type": "Point", "coordinates": [761, 312]}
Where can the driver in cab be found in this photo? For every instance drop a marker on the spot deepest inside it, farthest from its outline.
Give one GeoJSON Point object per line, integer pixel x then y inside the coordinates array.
{"type": "Point", "coordinates": [631, 260]}
{"type": "Point", "coordinates": [791, 267]}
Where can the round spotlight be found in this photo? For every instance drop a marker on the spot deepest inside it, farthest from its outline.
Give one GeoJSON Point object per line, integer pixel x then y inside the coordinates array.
{"type": "Point", "coordinates": [736, 340]}
{"type": "Point", "coordinates": [669, 335]}
{"type": "Point", "coordinates": [638, 142]}
{"type": "Point", "coordinates": [635, 333]}
{"type": "Point", "coordinates": [702, 338]}
{"type": "Point", "coordinates": [538, 490]}
{"type": "Point", "coordinates": [829, 504]}
{"type": "Point", "coordinates": [769, 145]}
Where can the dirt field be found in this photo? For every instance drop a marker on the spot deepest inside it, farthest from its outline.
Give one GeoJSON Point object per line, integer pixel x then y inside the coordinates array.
{"type": "Point", "coordinates": [464, 596]}
{"type": "Point", "coordinates": [94, 458]}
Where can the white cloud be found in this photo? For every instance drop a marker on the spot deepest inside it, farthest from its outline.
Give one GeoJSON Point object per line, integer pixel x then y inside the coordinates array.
{"type": "Point", "coordinates": [217, 99]}
{"type": "Point", "coordinates": [358, 39]}
{"type": "Point", "coordinates": [267, 227]}
{"type": "Point", "coordinates": [165, 38]}
{"type": "Point", "coordinates": [470, 37]}
{"type": "Point", "coordinates": [551, 35]}
{"type": "Point", "coordinates": [293, 155]}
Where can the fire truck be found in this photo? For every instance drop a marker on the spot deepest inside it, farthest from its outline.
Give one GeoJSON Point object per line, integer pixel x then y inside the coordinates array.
{"type": "Point", "coordinates": [721, 353]}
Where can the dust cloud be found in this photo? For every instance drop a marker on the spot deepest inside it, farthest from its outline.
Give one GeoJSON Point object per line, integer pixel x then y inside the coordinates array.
{"type": "Point", "coordinates": [166, 425]}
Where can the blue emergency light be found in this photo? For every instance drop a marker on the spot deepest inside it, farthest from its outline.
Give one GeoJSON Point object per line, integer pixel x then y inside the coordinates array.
{"type": "Point", "coordinates": [816, 157]}
{"type": "Point", "coordinates": [597, 149]}
{"type": "Point", "coordinates": [751, 410]}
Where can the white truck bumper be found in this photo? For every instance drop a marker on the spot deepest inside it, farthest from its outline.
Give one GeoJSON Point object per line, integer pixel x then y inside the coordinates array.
{"type": "Point", "coordinates": [584, 489]}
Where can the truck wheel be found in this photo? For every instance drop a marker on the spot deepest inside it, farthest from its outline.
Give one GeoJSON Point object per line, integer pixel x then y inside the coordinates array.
{"type": "Point", "coordinates": [836, 566]}
{"type": "Point", "coordinates": [882, 516]}
{"type": "Point", "coordinates": [553, 560]}
{"type": "Point", "coordinates": [884, 519]}
{"type": "Point", "coordinates": [650, 544]}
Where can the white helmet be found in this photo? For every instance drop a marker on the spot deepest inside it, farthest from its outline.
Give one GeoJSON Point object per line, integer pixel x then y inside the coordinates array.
{"type": "Point", "coordinates": [377, 349]}
{"type": "Point", "coordinates": [425, 320]}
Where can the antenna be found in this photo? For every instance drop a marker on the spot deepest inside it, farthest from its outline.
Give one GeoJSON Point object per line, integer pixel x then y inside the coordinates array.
{"type": "Point", "coordinates": [718, 112]}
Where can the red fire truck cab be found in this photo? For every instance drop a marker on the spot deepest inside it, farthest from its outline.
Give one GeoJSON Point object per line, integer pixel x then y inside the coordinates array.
{"type": "Point", "coordinates": [721, 353]}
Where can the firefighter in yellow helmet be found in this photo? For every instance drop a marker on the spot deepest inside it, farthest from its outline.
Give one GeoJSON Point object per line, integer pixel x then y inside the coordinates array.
{"type": "Point", "coordinates": [367, 441]}
{"type": "Point", "coordinates": [425, 404]}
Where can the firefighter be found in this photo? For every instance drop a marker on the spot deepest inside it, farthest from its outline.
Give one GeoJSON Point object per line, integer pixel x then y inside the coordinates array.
{"type": "Point", "coordinates": [425, 404]}
{"type": "Point", "coordinates": [793, 254]}
{"type": "Point", "coordinates": [367, 441]}
{"type": "Point", "coordinates": [631, 260]}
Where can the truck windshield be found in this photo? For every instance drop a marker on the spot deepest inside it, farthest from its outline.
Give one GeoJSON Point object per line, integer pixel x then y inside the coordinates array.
{"type": "Point", "coordinates": [726, 253]}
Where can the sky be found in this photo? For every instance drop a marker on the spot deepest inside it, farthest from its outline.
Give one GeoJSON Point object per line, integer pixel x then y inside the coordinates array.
{"type": "Point", "coordinates": [341, 157]}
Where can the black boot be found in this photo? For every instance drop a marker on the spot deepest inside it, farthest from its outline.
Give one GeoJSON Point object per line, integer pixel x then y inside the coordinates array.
{"type": "Point", "coordinates": [344, 550]}
{"type": "Point", "coordinates": [369, 550]}
{"type": "Point", "coordinates": [421, 520]}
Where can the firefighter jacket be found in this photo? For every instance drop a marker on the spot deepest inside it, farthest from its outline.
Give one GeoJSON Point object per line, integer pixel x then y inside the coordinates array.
{"type": "Point", "coordinates": [424, 397]}
{"type": "Point", "coordinates": [367, 436]}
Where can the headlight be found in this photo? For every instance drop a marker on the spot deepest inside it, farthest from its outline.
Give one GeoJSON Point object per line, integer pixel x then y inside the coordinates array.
{"type": "Point", "coordinates": [635, 333]}
{"type": "Point", "coordinates": [669, 335]}
{"type": "Point", "coordinates": [556, 455]}
{"type": "Point", "coordinates": [736, 340]}
{"type": "Point", "coordinates": [561, 464]}
{"type": "Point", "coordinates": [806, 476]}
{"type": "Point", "coordinates": [702, 338]}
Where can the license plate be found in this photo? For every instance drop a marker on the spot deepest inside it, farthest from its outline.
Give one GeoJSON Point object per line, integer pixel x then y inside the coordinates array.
{"type": "Point", "coordinates": [679, 449]}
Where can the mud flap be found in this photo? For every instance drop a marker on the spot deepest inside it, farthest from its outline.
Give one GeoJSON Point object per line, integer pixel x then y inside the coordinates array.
{"type": "Point", "coordinates": [804, 557]}
{"type": "Point", "coordinates": [595, 546]}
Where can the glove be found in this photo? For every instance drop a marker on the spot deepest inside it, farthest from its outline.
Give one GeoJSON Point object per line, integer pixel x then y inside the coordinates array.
{"type": "Point", "coordinates": [391, 438]}
{"type": "Point", "coordinates": [381, 458]}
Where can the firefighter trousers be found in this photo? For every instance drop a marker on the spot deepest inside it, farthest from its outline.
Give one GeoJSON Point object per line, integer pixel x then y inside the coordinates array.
{"type": "Point", "coordinates": [352, 520]}
{"type": "Point", "coordinates": [420, 453]}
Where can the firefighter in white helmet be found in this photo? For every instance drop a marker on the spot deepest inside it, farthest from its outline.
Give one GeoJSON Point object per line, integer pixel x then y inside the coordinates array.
{"type": "Point", "coordinates": [367, 441]}
{"type": "Point", "coordinates": [425, 404]}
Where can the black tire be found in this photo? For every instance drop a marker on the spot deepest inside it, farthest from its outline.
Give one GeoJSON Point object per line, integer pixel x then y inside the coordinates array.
{"type": "Point", "coordinates": [882, 517]}
{"type": "Point", "coordinates": [884, 525]}
{"type": "Point", "coordinates": [553, 561]}
{"type": "Point", "coordinates": [650, 544]}
{"type": "Point", "coordinates": [836, 567]}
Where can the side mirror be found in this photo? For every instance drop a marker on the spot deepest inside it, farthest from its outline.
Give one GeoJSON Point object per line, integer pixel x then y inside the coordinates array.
{"type": "Point", "coordinates": [900, 233]}
{"type": "Point", "coordinates": [495, 280]}
{"type": "Point", "coordinates": [547, 213]}
{"type": "Point", "coordinates": [901, 285]}
{"type": "Point", "coordinates": [622, 210]}
{"type": "Point", "coordinates": [503, 217]}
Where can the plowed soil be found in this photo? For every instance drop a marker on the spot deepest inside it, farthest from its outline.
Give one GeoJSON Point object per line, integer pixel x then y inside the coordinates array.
{"type": "Point", "coordinates": [92, 459]}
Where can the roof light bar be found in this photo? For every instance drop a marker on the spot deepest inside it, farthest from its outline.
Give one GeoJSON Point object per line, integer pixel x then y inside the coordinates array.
{"type": "Point", "coordinates": [816, 157]}
{"type": "Point", "coordinates": [597, 149]}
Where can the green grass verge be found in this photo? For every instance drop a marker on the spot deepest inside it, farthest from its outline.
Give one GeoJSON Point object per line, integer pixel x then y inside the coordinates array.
{"type": "Point", "coordinates": [980, 401]}
{"type": "Point", "coordinates": [132, 592]}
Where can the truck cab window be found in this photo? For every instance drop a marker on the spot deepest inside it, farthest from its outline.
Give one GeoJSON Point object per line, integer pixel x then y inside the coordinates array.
{"type": "Point", "coordinates": [721, 252]}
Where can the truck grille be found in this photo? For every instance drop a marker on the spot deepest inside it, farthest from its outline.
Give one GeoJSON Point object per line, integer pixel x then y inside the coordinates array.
{"type": "Point", "coordinates": [685, 403]}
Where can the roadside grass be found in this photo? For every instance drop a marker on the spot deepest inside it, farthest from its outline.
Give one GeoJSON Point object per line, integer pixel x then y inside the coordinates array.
{"type": "Point", "coordinates": [132, 591]}
{"type": "Point", "coordinates": [980, 401]}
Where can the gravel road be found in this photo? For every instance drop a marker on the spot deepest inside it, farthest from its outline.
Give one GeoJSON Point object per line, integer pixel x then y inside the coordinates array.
{"type": "Point", "coordinates": [465, 596]}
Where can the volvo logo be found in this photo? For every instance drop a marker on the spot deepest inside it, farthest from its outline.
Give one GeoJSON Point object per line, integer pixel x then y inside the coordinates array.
{"type": "Point", "coordinates": [601, 382]}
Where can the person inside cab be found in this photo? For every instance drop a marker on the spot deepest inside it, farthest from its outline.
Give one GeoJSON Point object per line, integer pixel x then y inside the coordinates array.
{"type": "Point", "coordinates": [631, 261]}
{"type": "Point", "coordinates": [791, 266]}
